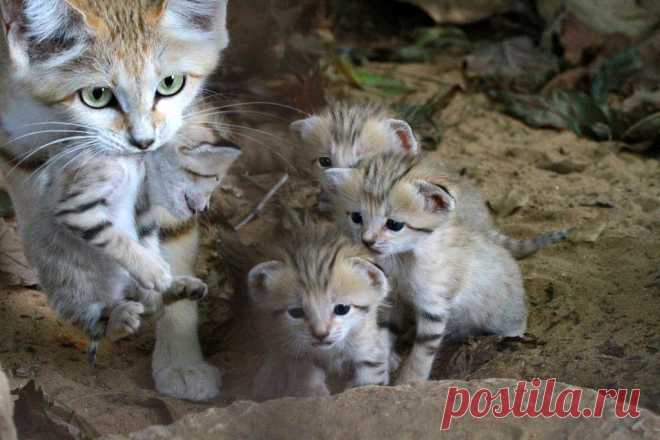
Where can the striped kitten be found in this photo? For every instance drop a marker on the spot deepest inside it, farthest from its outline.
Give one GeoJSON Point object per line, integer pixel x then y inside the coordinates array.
{"type": "Point", "coordinates": [410, 210]}
{"type": "Point", "coordinates": [98, 227]}
{"type": "Point", "coordinates": [347, 133]}
{"type": "Point", "coordinates": [320, 297]}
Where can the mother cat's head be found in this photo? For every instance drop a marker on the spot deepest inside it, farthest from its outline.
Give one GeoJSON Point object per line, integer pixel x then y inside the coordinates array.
{"type": "Point", "coordinates": [125, 70]}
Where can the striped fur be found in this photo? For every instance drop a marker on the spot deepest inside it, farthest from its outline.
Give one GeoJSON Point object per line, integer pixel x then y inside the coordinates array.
{"type": "Point", "coordinates": [55, 50]}
{"type": "Point", "coordinates": [525, 248]}
{"type": "Point", "coordinates": [110, 209]}
{"type": "Point", "coordinates": [316, 269]}
{"type": "Point", "coordinates": [346, 133]}
{"type": "Point", "coordinates": [458, 281]}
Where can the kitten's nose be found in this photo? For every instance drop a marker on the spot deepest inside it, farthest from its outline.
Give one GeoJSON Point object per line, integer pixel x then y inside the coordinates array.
{"type": "Point", "coordinates": [320, 335]}
{"type": "Point", "coordinates": [142, 143]}
{"type": "Point", "coordinates": [368, 243]}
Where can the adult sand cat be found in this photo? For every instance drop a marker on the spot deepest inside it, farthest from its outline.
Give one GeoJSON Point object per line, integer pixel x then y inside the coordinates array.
{"type": "Point", "coordinates": [410, 212]}
{"type": "Point", "coordinates": [345, 133]}
{"type": "Point", "coordinates": [115, 76]}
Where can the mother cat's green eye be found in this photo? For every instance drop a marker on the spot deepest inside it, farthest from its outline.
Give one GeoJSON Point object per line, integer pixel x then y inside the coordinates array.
{"type": "Point", "coordinates": [97, 97]}
{"type": "Point", "coordinates": [171, 85]}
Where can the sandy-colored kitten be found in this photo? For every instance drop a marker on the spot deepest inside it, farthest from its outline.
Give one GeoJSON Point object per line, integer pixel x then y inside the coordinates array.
{"type": "Point", "coordinates": [410, 210]}
{"type": "Point", "coordinates": [99, 223]}
{"type": "Point", "coordinates": [346, 133]}
{"type": "Point", "coordinates": [319, 299]}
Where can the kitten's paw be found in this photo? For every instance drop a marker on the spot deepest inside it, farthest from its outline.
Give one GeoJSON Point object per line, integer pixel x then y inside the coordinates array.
{"type": "Point", "coordinates": [125, 320]}
{"type": "Point", "coordinates": [185, 287]}
{"type": "Point", "coordinates": [196, 382]}
{"type": "Point", "coordinates": [154, 274]}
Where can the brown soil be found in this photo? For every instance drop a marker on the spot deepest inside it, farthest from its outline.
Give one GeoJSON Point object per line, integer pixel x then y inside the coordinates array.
{"type": "Point", "coordinates": [592, 321]}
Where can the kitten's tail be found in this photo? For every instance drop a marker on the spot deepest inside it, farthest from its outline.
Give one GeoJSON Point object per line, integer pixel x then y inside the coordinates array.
{"type": "Point", "coordinates": [524, 248]}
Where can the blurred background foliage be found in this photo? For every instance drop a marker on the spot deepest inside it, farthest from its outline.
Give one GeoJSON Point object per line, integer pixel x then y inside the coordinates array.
{"type": "Point", "coordinates": [589, 66]}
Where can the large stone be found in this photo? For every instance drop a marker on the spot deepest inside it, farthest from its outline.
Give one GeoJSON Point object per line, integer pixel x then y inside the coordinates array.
{"type": "Point", "coordinates": [7, 428]}
{"type": "Point", "coordinates": [407, 412]}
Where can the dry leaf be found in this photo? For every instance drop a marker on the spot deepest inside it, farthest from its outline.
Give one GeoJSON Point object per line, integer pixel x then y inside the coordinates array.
{"type": "Point", "coordinates": [14, 268]}
{"type": "Point", "coordinates": [589, 233]}
{"type": "Point", "coordinates": [563, 166]}
{"type": "Point", "coordinates": [514, 63]}
{"type": "Point", "coordinates": [510, 203]}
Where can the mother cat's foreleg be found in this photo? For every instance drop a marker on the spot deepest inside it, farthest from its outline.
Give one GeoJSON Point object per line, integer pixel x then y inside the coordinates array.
{"type": "Point", "coordinates": [178, 365]}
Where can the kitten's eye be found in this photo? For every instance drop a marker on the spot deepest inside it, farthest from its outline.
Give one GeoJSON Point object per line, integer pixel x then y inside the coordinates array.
{"type": "Point", "coordinates": [171, 85]}
{"type": "Point", "coordinates": [325, 161]}
{"type": "Point", "coordinates": [357, 218]}
{"type": "Point", "coordinates": [297, 313]}
{"type": "Point", "coordinates": [97, 97]}
{"type": "Point", "coordinates": [342, 309]}
{"type": "Point", "coordinates": [394, 225]}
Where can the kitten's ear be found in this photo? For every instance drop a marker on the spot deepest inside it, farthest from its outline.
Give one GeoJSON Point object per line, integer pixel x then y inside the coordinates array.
{"type": "Point", "coordinates": [305, 128]}
{"type": "Point", "coordinates": [226, 150]}
{"type": "Point", "coordinates": [263, 278]}
{"type": "Point", "coordinates": [210, 158]}
{"type": "Point", "coordinates": [437, 198]}
{"type": "Point", "coordinates": [341, 182]}
{"type": "Point", "coordinates": [406, 141]}
{"type": "Point", "coordinates": [375, 275]}
{"type": "Point", "coordinates": [198, 20]}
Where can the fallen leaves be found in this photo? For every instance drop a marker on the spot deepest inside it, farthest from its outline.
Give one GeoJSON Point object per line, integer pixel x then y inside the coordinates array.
{"type": "Point", "coordinates": [14, 268]}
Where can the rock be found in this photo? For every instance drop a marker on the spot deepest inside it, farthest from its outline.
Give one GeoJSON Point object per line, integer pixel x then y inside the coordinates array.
{"type": "Point", "coordinates": [462, 11]}
{"type": "Point", "coordinates": [7, 428]}
{"type": "Point", "coordinates": [413, 411]}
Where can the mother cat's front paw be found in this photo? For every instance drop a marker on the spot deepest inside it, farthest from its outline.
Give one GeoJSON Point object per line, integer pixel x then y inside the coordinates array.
{"type": "Point", "coordinates": [197, 382]}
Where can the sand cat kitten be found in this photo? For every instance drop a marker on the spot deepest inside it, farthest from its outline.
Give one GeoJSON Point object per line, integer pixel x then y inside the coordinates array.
{"type": "Point", "coordinates": [94, 229]}
{"type": "Point", "coordinates": [347, 133]}
{"type": "Point", "coordinates": [119, 76]}
{"type": "Point", "coordinates": [410, 212]}
{"type": "Point", "coordinates": [320, 297]}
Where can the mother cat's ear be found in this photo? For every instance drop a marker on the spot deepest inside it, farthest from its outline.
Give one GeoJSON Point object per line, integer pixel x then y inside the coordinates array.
{"type": "Point", "coordinates": [264, 278]}
{"type": "Point", "coordinates": [305, 128]}
{"type": "Point", "coordinates": [35, 27]}
{"type": "Point", "coordinates": [197, 20]}
{"type": "Point", "coordinates": [404, 140]}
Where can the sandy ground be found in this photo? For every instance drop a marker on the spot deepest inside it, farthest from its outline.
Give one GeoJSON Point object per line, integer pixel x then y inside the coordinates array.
{"type": "Point", "coordinates": [592, 321]}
